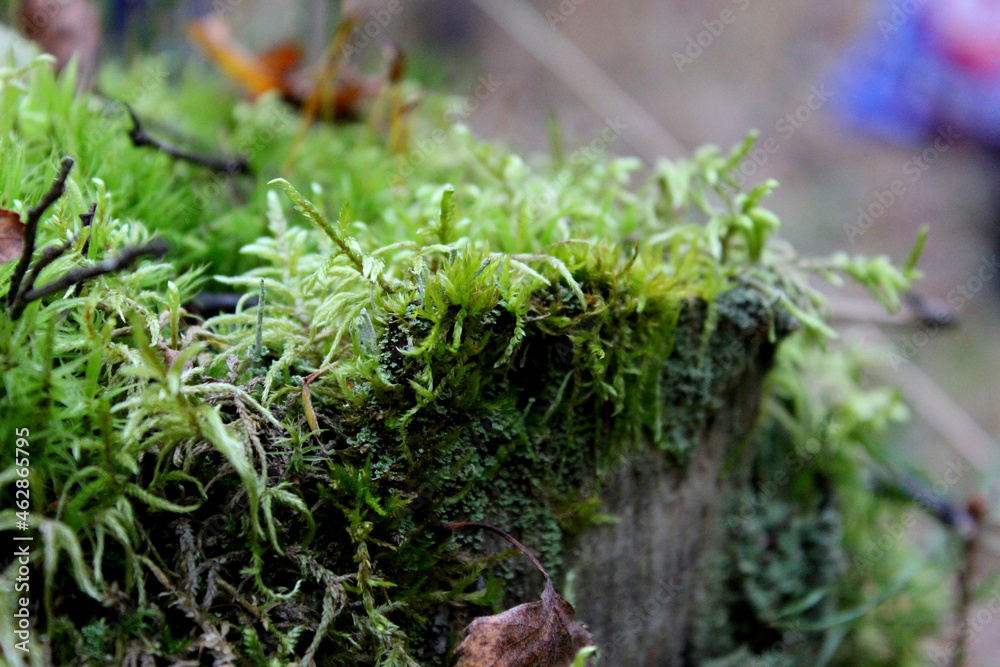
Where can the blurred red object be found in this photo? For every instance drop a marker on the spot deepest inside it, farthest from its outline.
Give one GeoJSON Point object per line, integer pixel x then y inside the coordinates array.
{"type": "Point", "coordinates": [969, 33]}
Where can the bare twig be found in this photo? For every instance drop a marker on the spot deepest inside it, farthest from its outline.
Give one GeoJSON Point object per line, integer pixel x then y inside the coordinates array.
{"type": "Point", "coordinates": [931, 312]}
{"type": "Point", "coordinates": [920, 310]}
{"type": "Point", "coordinates": [963, 603]}
{"type": "Point", "coordinates": [87, 219]}
{"type": "Point", "coordinates": [977, 509]}
{"type": "Point", "coordinates": [210, 304]}
{"type": "Point", "coordinates": [49, 254]}
{"type": "Point", "coordinates": [952, 516]}
{"type": "Point", "coordinates": [127, 257]}
{"type": "Point", "coordinates": [226, 165]}
{"type": "Point", "coordinates": [35, 214]}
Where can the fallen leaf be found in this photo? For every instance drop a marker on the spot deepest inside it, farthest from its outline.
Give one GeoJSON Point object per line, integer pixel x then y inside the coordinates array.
{"type": "Point", "coordinates": [11, 236]}
{"type": "Point", "coordinates": [333, 90]}
{"type": "Point", "coordinates": [65, 28]}
{"type": "Point", "coordinates": [534, 634]}
{"type": "Point", "coordinates": [212, 34]}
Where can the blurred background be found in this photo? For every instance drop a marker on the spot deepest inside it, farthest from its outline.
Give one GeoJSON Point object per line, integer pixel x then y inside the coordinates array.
{"type": "Point", "coordinates": [877, 118]}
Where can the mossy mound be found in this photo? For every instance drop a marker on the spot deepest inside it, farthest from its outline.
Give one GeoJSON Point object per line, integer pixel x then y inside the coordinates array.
{"type": "Point", "coordinates": [472, 338]}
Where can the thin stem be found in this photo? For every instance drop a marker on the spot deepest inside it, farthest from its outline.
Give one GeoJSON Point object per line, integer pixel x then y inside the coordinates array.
{"type": "Point", "coordinates": [523, 549]}
{"type": "Point", "coordinates": [966, 594]}
{"type": "Point", "coordinates": [259, 339]}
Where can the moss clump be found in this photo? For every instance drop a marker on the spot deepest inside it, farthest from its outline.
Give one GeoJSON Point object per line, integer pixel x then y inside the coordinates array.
{"type": "Point", "coordinates": [264, 486]}
{"type": "Point", "coordinates": [790, 586]}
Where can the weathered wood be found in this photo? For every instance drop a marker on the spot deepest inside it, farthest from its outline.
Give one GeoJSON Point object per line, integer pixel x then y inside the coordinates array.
{"type": "Point", "coordinates": [639, 583]}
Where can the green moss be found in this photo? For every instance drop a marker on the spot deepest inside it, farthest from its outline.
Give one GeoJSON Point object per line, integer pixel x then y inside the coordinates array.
{"type": "Point", "coordinates": [484, 339]}
{"type": "Point", "coordinates": [789, 586]}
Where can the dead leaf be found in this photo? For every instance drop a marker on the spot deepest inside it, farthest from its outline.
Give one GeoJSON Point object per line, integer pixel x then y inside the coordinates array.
{"type": "Point", "coordinates": [11, 236]}
{"type": "Point", "coordinates": [332, 90]}
{"type": "Point", "coordinates": [534, 634]}
{"type": "Point", "coordinates": [212, 34]}
{"type": "Point", "coordinates": [65, 28]}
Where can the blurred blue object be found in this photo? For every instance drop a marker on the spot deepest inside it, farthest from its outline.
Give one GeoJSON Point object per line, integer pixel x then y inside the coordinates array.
{"type": "Point", "coordinates": [121, 15]}
{"type": "Point", "coordinates": [902, 81]}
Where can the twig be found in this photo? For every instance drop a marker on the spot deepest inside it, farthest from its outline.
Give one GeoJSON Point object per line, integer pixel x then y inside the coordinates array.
{"type": "Point", "coordinates": [918, 309]}
{"type": "Point", "coordinates": [931, 312]}
{"type": "Point", "coordinates": [87, 219]}
{"type": "Point", "coordinates": [964, 602]}
{"type": "Point", "coordinates": [126, 258]}
{"type": "Point", "coordinates": [210, 304]}
{"type": "Point", "coordinates": [977, 509]}
{"type": "Point", "coordinates": [35, 214]}
{"type": "Point", "coordinates": [952, 516]}
{"type": "Point", "coordinates": [226, 165]}
{"type": "Point", "coordinates": [49, 254]}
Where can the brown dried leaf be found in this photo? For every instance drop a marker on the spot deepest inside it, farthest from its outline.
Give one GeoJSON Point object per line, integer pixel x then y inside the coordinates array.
{"type": "Point", "coordinates": [11, 236]}
{"type": "Point", "coordinates": [332, 89]}
{"type": "Point", "coordinates": [536, 634]}
{"type": "Point", "coordinates": [64, 28]}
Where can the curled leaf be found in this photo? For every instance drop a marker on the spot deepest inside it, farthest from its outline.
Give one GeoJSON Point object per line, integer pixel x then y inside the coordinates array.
{"type": "Point", "coordinates": [534, 634]}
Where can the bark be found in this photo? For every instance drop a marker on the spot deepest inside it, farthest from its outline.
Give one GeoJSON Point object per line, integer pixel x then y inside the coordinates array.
{"type": "Point", "coordinates": [640, 583]}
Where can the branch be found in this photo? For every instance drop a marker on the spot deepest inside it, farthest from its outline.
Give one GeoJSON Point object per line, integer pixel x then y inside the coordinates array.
{"type": "Point", "coordinates": [87, 220]}
{"type": "Point", "coordinates": [226, 165]}
{"type": "Point", "coordinates": [156, 248]}
{"type": "Point", "coordinates": [49, 254]}
{"type": "Point", "coordinates": [920, 310]}
{"type": "Point", "coordinates": [951, 515]}
{"type": "Point", "coordinates": [35, 214]}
